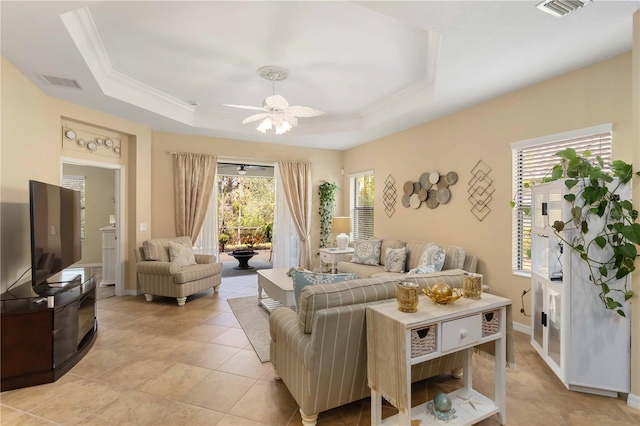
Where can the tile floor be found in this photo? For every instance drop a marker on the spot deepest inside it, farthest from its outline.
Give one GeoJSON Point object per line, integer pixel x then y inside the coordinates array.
{"type": "Point", "coordinates": [158, 364]}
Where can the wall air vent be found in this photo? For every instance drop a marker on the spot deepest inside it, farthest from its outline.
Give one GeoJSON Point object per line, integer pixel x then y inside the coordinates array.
{"type": "Point", "coordinates": [560, 8]}
{"type": "Point", "coordinates": [60, 81]}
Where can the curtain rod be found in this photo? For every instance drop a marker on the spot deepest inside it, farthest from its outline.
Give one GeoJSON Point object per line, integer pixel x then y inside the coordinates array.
{"type": "Point", "coordinates": [229, 159]}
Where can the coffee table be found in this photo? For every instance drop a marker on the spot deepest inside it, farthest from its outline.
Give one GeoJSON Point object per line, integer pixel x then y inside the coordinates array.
{"type": "Point", "coordinates": [278, 287]}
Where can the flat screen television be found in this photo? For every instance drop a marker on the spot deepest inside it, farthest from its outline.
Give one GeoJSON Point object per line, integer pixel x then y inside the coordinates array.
{"type": "Point", "coordinates": [55, 231]}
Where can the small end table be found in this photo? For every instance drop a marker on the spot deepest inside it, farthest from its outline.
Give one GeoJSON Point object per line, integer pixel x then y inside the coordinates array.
{"type": "Point", "coordinates": [333, 256]}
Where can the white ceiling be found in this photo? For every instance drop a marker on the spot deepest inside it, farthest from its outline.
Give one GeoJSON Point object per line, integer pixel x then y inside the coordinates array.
{"type": "Point", "coordinates": [374, 67]}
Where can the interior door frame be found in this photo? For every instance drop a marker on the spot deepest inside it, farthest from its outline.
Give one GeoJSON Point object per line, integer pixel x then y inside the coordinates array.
{"type": "Point", "coordinates": [120, 211]}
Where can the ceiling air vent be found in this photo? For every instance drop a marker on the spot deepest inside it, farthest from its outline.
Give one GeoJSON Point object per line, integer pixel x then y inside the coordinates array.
{"type": "Point", "coordinates": [61, 81]}
{"type": "Point", "coordinates": [560, 8]}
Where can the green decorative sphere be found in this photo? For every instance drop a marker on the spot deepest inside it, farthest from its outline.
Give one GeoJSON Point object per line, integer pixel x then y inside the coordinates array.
{"type": "Point", "coordinates": [441, 402]}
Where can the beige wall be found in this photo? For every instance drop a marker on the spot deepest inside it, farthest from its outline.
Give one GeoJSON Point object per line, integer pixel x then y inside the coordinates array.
{"type": "Point", "coordinates": [327, 168]}
{"type": "Point", "coordinates": [100, 192]}
{"type": "Point", "coordinates": [594, 95]}
{"type": "Point", "coordinates": [635, 307]}
{"type": "Point", "coordinates": [31, 124]}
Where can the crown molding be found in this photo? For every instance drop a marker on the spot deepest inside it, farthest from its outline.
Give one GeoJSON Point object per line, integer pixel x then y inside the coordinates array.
{"type": "Point", "coordinates": [83, 31]}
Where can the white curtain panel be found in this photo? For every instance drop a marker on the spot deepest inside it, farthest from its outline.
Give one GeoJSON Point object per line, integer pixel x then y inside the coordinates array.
{"type": "Point", "coordinates": [207, 242]}
{"type": "Point", "coordinates": [285, 241]}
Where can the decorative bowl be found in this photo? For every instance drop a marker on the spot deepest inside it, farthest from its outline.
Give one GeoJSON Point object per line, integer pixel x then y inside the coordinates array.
{"type": "Point", "coordinates": [442, 293]}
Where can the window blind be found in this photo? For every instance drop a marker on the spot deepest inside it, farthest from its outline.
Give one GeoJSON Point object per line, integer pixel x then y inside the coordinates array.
{"type": "Point", "coordinates": [77, 183]}
{"type": "Point", "coordinates": [532, 162]}
{"type": "Point", "coordinates": [362, 191]}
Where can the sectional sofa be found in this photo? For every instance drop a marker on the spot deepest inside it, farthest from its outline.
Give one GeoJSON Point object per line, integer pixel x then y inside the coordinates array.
{"type": "Point", "coordinates": [320, 352]}
{"type": "Point", "coordinates": [455, 258]}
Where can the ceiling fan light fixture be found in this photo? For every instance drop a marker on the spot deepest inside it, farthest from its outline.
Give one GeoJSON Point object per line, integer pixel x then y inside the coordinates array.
{"type": "Point", "coordinates": [265, 125]}
{"type": "Point", "coordinates": [242, 170]}
{"type": "Point", "coordinates": [276, 111]}
{"type": "Point", "coordinates": [283, 127]}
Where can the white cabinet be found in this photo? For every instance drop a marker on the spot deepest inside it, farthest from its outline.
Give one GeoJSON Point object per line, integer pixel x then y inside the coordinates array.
{"type": "Point", "coordinates": [108, 256]}
{"type": "Point", "coordinates": [586, 345]}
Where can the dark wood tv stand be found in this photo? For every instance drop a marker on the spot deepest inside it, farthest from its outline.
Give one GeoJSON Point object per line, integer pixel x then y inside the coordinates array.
{"type": "Point", "coordinates": [44, 336]}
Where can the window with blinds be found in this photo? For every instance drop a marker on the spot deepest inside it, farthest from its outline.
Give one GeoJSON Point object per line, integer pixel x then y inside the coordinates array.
{"type": "Point", "coordinates": [77, 183]}
{"type": "Point", "coordinates": [362, 188]}
{"type": "Point", "coordinates": [532, 162]}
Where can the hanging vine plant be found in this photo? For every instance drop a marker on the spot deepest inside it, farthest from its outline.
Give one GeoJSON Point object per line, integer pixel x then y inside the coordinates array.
{"type": "Point", "coordinates": [595, 196]}
{"type": "Point", "coordinates": [327, 192]}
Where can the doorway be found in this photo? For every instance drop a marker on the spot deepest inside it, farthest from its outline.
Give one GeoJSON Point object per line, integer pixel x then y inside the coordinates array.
{"type": "Point", "coordinates": [103, 185]}
{"type": "Point", "coordinates": [245, 214]}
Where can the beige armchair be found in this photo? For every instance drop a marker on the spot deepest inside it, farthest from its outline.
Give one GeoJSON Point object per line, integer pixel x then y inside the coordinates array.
{"type": "Point", "coordinates": [158, 276]}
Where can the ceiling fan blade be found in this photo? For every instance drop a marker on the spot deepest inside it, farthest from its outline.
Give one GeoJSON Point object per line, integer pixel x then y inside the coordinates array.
{"type": "Point", "coordinates": [291, 119]}
{"type": "Point", "coordinates": [303, 111]}
{"type": "Point", "coordinates": [245, 107]}
{"type": "Point", "coordinates": [255, 117]}
{"type": "Point", "coordinates": [276, 102]}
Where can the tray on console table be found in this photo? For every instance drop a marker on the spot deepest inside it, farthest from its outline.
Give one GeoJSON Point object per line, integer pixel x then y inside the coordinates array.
{"type": "Point", "coordinates": [392, 348]}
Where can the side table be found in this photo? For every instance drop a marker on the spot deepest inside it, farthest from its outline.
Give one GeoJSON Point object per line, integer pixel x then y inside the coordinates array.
{"type": "Point", "coordinates": [397, 340]}
{"type": "Point", "coordinates": [333, 256]}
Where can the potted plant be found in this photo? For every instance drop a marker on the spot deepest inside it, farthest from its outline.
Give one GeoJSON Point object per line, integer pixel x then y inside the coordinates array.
{"type": "Point", "coordinates": [222, 240]}
{"type": "Point", "coordinates": [594, 196]}
{"type": "Point", "coordinates": [327, 192]}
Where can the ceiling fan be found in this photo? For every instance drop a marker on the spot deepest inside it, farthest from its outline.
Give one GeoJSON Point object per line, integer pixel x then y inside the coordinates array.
{"type": "Point", "coordinates": [242, 168]}
{"type": "Point", "coordinates": [276, 111]}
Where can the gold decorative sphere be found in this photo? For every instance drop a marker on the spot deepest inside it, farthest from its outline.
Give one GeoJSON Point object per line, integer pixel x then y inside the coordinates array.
{"type": "Point", "coordinates": [441, 290]}
{"type": "Point", "coordinates": [442, 293]}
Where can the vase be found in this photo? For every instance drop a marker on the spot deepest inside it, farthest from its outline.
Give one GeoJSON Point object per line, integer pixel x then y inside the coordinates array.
{"type": "Point", "coordinates": [472, 286]}
{"type": "Point", "coordinates": [407, 296]}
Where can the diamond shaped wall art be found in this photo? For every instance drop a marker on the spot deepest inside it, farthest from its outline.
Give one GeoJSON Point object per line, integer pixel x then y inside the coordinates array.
{"type": "Point", "coordinates": [480, 190]}
{"type": "Point", "coordinates": [389, 196]}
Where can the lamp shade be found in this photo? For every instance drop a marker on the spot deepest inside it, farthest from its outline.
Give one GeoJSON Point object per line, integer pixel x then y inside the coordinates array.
{"type": "Point", "coordinates": [341, 225]}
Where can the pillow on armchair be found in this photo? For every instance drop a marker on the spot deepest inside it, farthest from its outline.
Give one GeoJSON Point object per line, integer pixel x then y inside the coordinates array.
{"type": "Point", "coordinates": [432, 260]}
{"type": "Point", "coordinates": [301, 279]}
{"type": "Point", "coordinates": [182, 254]}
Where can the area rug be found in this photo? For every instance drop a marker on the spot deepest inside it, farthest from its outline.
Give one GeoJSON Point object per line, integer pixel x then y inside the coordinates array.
{"type": "Point", "coordinates": [228, 271]}
{"type": "Point", "coordinates": [254, 321]}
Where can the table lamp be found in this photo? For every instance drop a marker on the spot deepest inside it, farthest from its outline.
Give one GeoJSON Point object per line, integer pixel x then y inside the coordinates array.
{"type": "Point", "coordinates": [342, 227]}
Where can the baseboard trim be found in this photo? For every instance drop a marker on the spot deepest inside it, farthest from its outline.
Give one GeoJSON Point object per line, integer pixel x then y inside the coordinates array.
{"type": "Point", "coordinates": [633, 401]}
{"type": "Point", "coordinates": [526, 329]}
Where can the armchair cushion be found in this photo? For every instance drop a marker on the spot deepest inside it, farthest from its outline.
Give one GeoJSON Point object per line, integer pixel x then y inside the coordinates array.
{"type": "Point", "coordinates": [196, 272]}
{"type": "Point", "coordinates": [157, 268]}
{"type": "Point", "coordinates": [182, 254]}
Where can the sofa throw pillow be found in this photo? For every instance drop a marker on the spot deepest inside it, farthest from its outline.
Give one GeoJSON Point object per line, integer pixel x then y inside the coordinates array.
{"type": "Point", "coordinates": [182, 254]}
{"type": "Point", "coordinates": [395, 259]}
{"type": "Point", "coordinates": [432, 260]}
{"type": "Point", "coordinates": [301, 279]}
{"type": "Point", "coordinates": [366, 252]}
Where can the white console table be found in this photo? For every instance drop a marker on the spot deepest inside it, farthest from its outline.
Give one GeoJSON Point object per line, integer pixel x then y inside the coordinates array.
{"type": "Point", "coordinates": [108, 256]}
{"type": "Point", "coordinates": [459, 326]}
